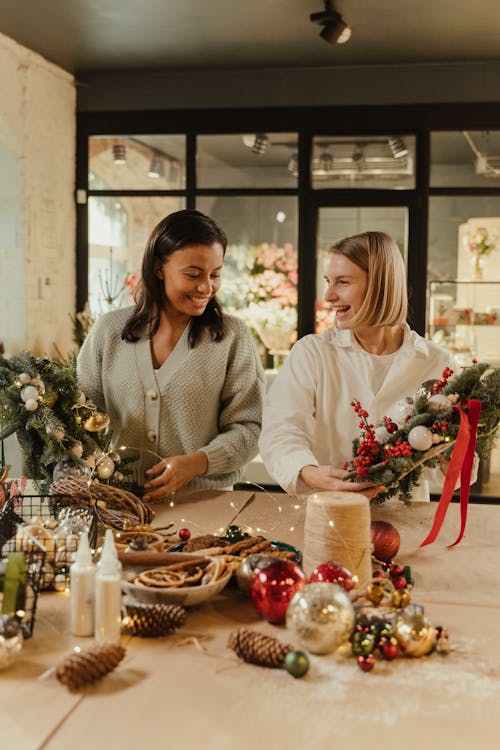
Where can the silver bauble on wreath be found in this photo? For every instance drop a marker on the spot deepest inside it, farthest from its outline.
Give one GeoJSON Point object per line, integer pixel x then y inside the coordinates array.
{"type": "Point", "coordinates": [440, 406]}
{"type": "Point", "coordinates": [105, 467]}
{"type": "Point", "coordinates": [427, 388]}
{"type": "Point", "coordinates": [77, 469]}
{"type": "Point", "coordinates": [420, 438]}
{"type": "Point", "coordinates": [382, 434]}
{"type": "Point", "coordinates": [29, 392]}
{"type": "Point", "coordinates": [321, 617]}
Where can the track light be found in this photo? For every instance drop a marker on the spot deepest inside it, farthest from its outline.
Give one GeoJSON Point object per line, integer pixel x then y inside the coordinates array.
{"type": "Point", "coordinates": [257, 142]}
{"type": "Point", "coordinates": [293, 164]}
{"type": "Point", "coordinates": [156, 169]}
{"type": "Point", "coordinates": [174, 172]}
{"type": "Point", "coordinates": [335, 30]}
{"type": "Point", "coordinates": [326, 162]}
{"type": "Point", "coordinates": [398, 147]}
{"type": "Point", "coordinates": [119, 153]}
{"type": "Point", "coordinates": [358, 154]}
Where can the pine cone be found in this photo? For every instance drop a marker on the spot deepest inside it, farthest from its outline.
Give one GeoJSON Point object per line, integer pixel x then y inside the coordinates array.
{"type": "Point", "coordinates": [81, 668]}
{"type": "Point", "coordinates": [153, 620]}
{"type": "Point", "coordinates": [258, 648]}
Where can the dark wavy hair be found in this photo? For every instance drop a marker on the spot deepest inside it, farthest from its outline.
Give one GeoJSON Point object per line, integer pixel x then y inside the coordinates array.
{"type": "Point", "coordinates": [176, 231]}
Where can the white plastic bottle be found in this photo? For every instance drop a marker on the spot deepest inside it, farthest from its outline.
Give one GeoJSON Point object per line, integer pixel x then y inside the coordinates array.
{"type": "Point", "coordinates": [82, 574]}
{"type": "Point", "coordinates": [108, 594]}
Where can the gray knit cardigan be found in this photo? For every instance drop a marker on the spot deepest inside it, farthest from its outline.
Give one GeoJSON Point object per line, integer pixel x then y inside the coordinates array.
{"type": "Point", "coordinates": [204, 398]}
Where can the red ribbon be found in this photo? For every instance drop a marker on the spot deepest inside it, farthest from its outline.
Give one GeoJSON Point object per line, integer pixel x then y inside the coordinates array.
{"type": "Point", "coordinates": [461, 463]}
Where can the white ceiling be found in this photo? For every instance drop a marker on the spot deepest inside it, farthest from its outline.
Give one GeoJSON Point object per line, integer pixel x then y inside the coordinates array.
{"type": "Point", "coordinates": [120, 35]}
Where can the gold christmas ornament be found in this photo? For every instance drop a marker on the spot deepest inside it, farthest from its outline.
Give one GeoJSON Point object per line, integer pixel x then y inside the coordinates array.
{"type": "Point", "coordinates": [49, 398]}
{"type": "Point", "coordinates": [401, 598]}
{"type": "Point", "coordinates": [96, 422]}
{"type": "Point", "coordinates": [415, 634]}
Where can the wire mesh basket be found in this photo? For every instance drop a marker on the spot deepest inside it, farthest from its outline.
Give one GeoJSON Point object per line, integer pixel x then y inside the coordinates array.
{"type": "Point", "coordinates": [48, 533]}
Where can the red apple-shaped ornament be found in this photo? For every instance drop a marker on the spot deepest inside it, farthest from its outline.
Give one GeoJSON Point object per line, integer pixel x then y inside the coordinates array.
{"type": "Point", "coordinates": [385, 540]}
{"type": "Point", "coordinates": [271, 589]}
{"type": "Point", "coordinates": [332, 572]}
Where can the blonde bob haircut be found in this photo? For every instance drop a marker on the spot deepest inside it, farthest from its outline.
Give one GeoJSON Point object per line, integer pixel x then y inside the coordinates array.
{"type": "Point", "coordinates": [386, 301]}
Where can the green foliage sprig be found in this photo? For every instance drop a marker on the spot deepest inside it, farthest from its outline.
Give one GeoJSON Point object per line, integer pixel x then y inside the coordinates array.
{"type": "Point", "coordinates": [385, 456]}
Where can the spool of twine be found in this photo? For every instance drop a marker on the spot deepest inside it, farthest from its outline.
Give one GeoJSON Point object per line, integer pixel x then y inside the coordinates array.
{"type": "Point", "coordinates": [337, 528]}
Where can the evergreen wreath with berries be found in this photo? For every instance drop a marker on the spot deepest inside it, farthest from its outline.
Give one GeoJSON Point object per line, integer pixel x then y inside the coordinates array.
{"type": "Point", "coordinates": [41, 403]}
{"type": "Point", "coordinates": [393, 455]}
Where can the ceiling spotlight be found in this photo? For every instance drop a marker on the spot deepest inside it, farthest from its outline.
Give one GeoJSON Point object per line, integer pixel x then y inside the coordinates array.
{"type": "Point", "coordinates": [335, 30]}
{"type": "Point", "coordinates": [119, 153]}
{"type": "Point", "coordinates": [156, 168]}
{"type": "Point", "coordinates": [257, 142]}
{"type": "Point", "coordinates": [398, 147]}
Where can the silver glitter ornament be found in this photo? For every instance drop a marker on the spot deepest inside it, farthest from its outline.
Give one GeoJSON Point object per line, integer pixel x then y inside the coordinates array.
{"type": "Point", "coordinates": [321, 617]}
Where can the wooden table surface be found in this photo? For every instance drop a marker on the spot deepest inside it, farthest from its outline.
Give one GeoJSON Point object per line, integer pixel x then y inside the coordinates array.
{"type": "Point", "coordinates": [189, 690]}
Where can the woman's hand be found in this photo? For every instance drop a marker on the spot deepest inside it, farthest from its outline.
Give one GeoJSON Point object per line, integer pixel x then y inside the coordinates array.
{"type": "Point", "coordinates": [171, 474]}
{"type": "Point", "coordinates": [330, 478]}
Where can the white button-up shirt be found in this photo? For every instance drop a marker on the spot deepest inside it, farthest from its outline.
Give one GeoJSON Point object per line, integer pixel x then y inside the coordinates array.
{"type": "Point", "coordinates": [308, 418]}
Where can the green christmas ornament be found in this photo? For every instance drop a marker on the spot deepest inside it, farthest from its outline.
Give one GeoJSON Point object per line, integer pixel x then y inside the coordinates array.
{"type": "Point", "coordinates": [296, 663]}
{"type": "Point", "coordinates": [363, 644]}
{"type": "Point", "coordinates": [235, 534]}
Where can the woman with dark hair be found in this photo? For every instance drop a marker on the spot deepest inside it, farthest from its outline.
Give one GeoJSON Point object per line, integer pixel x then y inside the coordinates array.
{"type": "Point", "coordinates": [179, 379]}
{"type": "Point", "coordinates": [370, 354]}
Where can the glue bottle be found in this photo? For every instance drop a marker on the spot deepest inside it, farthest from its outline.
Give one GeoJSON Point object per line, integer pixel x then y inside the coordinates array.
{"type": "Point", "coordinates": [82, 574]}
{"type": "Point", "coordinates": [108, 594]}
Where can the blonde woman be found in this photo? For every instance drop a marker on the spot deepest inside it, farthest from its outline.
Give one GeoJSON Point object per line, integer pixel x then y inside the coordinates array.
{"type": "Point", "coordinates": [370, 354]}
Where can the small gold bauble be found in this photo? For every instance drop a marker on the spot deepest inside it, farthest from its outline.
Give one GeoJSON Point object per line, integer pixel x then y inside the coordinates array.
{"type": "Point", "coordinates": [401, 599]}
{"type": "Point", "coordinates": [415, 634]}
{"type": "Point", "coordinates": [96, 422]}
{"type": "Point", "coordinates": [375, 593]}
{"type": "Point", "coordinates": [49, 398]}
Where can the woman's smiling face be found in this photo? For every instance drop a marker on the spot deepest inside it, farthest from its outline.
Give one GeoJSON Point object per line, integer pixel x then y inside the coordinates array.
{"type": "Point", "coordinates": [347, 286]}
{"type": "Point", "coordinates": [191, 277]}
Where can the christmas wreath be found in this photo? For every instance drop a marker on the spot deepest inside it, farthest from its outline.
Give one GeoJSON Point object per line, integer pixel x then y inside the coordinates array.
{"type": "Point", "coordinates": [54, 422]}
{"type": "Point", "coordinates": [442, 414]}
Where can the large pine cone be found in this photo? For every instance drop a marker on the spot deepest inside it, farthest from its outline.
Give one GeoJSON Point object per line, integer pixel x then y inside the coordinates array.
{"type": "Point", "coordinates": [83, 667]}
{"type": "Point", "coordinates": [258, 648]}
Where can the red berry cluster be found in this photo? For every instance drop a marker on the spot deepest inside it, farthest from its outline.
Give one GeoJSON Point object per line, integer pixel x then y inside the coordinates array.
{"type": "Point", "coordinates": [368, 452]}
{"type": "Point", "coordinates": [400, 448]}
{"type": "Point", "coordinates": [440, 384]}
{"type": "Point", "coordinates": [440, 426]}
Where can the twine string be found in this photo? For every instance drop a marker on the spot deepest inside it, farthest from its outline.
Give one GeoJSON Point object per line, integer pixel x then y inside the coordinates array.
{"type": "Point", "coordinates": [337, 528]}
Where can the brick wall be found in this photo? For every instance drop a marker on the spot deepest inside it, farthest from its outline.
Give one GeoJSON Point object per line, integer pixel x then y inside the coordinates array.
{"type": "Point", "coordinates": [37, 212]}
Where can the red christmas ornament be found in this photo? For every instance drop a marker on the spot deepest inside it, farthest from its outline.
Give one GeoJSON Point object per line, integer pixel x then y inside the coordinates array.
{"type": "Point", "coordinates": [271, 589]}
{"type": "Point", "coordinates": [399, 582]}
{"type": "Point", "coordinates": [389, 651]}
{"type": "Point", "coordinates": [332, 572]}
{"type": "Point", "coordinates": [184, 534]}
{"type": "Point", "coordinates": [366, 663]}
{"type": "Point", "coordinates": [385, 539]}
